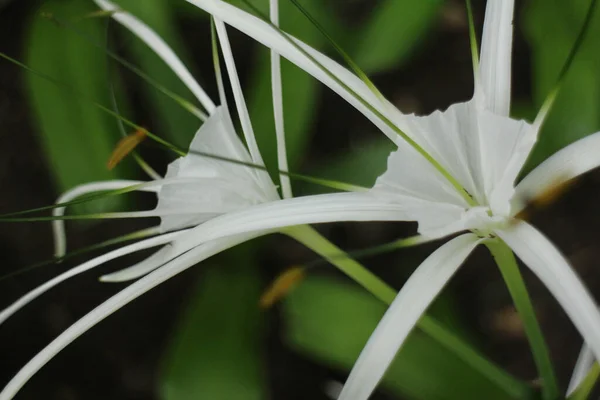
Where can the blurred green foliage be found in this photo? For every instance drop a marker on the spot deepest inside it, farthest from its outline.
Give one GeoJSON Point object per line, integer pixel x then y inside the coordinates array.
{"type": "Point", "coordinates": [217, 352]}
{"type": "Point", "coordinates": [331, 322]}
{"type": "Point", "coordinates": [78, 138]}
{"type": "Point", "coordinates": [551, 27]}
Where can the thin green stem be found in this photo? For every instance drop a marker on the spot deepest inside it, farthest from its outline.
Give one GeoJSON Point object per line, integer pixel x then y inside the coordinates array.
{"type": "Point", "coordinates": [585, 387]}
{"type": "Point", "coordinates": [473, 40]}
{"type": "Point", "coordinates": [381, 290]}
{"type": "Point", "coordinates": [516, 286]}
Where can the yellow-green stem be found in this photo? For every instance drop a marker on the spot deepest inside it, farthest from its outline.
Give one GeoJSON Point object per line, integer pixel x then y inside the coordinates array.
{"type": "Point", "coordinates": [516, 286]}
{"type": "Point", "coordinates": [585, 387]}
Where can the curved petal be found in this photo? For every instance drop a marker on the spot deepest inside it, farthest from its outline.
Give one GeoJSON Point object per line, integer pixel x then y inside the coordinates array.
{"type": "Point", "coordinates": [238, 95]}
{"type": "Point", "coordinates": [142, 268]}
{"type": "Point", "coordinates": [221, 185]}
{"type": "Point", "coordinates": [298, 211]}
{"type": "Point", "coordinates": [403, 314]}
{"type": "Point", "coordinates": [582, 367]}
{"type": "Point", "coordinates": [264, 33]}
{"type": "Point", "coordinates": [496, 54]}
{"type": "Point", "coordinates": [58, 226]}
{"type": "Point", "coordinates": [540, 255]}
{"type": "Point", "coordinates": [161, 48]}
{"type": "Point", "coordinates": [86, 266]}
{"type": "Point", "coordinates": [567, 163]}
{"type": "Point", "coordinates": [113, 304]}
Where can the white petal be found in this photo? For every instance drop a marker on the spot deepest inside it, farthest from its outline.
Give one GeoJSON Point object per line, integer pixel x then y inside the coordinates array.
{"type": "Point", "coordinates": [220, 185]}
{"type": "Point", "coordinates": [496, 53]}
{"type": "Point", "coordinates": [582, 367]}
{"type": "Point", "coordinates": [568, 163]}
{"type": "Point", "coordinates": [238, 95]}
{"type": "Point", "coordinates": [298, 211]}
{"type": "Point", "coordinates": [113, 304]}
{"type": "Point", "coordinates": [86, 266]}
{"type": "Point", "coordinates": [264, 33]}
{"type": "Point", "coordinates": [162, 49]}
{"type": "Point", "coordinates": [277, 91]}
{"type": "Point", "coordinates": [482, 150]}
{"type": "Point", "coordinates": [142, 268]}
{"type": "Point", "coordinates": [58, 226]}
{"type": "Point", "coordinates": [403, 314]}
{"type": "Point", "coordinates": [540, 255]}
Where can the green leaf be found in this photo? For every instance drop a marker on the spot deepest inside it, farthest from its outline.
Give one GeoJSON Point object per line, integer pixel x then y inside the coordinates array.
{"type": "Point", "coordinates": [77, 137]}
{"type": "Point", "coordinates": [216, 351]}
{"type": "Point", "coordinates": [174, 121]}
{"type": "Point", "coordinates": [551, 27]}
{"type": "Point", "coordinates": [331, 322]}
{"type": "Point", "coordinates": [392, 33]}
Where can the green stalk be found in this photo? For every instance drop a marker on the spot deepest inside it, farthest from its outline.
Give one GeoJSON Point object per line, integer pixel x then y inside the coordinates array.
{"type": "Point", "coordinates": [320, 245]}
{"type": "Point", "coordinates": [585, 387]}
{"type": "Point", "coordinates": [516, 286]}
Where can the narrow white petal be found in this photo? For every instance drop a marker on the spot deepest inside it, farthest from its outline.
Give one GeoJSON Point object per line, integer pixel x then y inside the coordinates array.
{"type": "Point", "coordinates": [86, 266]}
{"type": "Point", "coordinates": [298, 211]}
{"type": "Point", "coordinates": [540, 255]}
{"type": "Point", "coordinates": [276, 89]}
{"type": "Point", "coordinates": [568, 163]}
{"type": "Point", "coordinates": [58, 226]}
{"type": "Point", "coordinates": [238, 95]}
{"type": "Point", "coordinates": [582, 367]}
{"type": "Point", "coordinates": [496, 53]}
{"type": "Point", "coordinates": [113, 304]}
{"type": "Point", "coordinates": [142, 268]}
{"type": "Point", "coordinates": [403, 314]}
{"type": "Point", "coordinates": [264, 33]}
{"type": "Point", "coordinates": [162, 49]}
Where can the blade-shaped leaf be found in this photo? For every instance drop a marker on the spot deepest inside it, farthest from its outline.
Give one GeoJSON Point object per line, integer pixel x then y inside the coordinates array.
{"type": "Point", "coordinates": [551, 26]}
{"type": "Point", "coordinates": [392, 32]}
{"type": "Point", "coordinates": [77, 137]}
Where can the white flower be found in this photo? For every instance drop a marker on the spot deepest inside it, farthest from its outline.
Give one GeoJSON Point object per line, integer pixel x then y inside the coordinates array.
{"type": "Point", "coordinates": [195, 190]}
{"type": "Point", "coordinates": [453, 171]}
{"type": "Point", "coordinates": [478, 146]}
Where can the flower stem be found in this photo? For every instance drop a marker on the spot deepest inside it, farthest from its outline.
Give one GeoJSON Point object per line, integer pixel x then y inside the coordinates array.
{"type": "Point", "coordinates": [585, 387]}
{"type": "Point", "coordinates": [516, 286]}
{"type": "Point", "coordinates": [437, 331]}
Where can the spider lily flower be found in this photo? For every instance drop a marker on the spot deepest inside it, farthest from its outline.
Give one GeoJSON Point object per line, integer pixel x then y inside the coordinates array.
{"type": "Point", "coordinates": [478, 146]}
{"type": "Point", "coordinates": [195, 190]}
{"type": "Point", "coordinates": [454, 171]}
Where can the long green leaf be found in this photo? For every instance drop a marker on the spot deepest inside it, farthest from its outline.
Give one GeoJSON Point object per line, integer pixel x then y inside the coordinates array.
{"type": "Point", "coordinates": [77, 137]}
{"type": "Point", "coordinates": [552, 26]}
{"type": "Point", "coordinates": [394, 30]}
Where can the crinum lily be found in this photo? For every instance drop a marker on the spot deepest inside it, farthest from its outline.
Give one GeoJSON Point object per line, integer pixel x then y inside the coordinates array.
{"type": "Point", "coordinates": [453, 171]}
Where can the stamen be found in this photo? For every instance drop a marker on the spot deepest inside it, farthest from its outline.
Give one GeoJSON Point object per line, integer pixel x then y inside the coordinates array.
{"type": "Point", "coordinates": [281, 286]}
{"type": "Point", "coordinates": [125, 146]}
